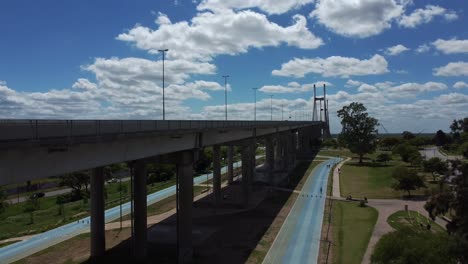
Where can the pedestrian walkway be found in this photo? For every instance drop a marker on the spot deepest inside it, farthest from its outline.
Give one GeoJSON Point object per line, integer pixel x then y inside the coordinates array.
{"type": "Point", "coordinates": [385, 208]}
{"type": "Point", "coordinates": [336, 178]}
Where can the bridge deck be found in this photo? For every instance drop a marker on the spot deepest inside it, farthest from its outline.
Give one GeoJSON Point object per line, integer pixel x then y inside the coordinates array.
{"type": "Point", "coordinates": [27, 130]}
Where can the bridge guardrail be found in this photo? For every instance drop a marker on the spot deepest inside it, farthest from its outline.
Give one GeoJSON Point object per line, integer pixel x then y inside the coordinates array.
{"type": "Point", "coordinates": [22, 130]}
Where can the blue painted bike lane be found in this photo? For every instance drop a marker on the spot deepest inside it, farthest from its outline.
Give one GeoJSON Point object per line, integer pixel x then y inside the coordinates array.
{"type": "Point", "coordinates": [27, 247]}
{"type": "Point", "coordinates": [298, 241]}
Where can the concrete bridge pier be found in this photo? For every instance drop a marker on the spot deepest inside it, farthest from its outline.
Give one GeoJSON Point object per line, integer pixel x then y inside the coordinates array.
{"type": "Point", "coordinates": [248, 166]}
{"type": "Point", "coordinates": [230, 163]}
{"type": "Point", "coordinates": [185, 200]}
{"type": "Point", "coordinates": [217, 174]}
{"type": "Point", "coordinates": [98, 239]}
{"type": "Point", "coordinates": [292, 149]}
{"type": "Point", "coordinates": [140, 215]}
{"type": "Point", "coordinates": [269, 158]}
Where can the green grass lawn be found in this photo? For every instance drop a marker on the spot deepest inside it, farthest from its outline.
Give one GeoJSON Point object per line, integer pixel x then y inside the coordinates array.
{"type": "Point", "coordinates": [412, 219]}
{"type": "Point", "coordinates": [336, 153]}
{"type": "Point", "coordinates": [373, 180]}
{"type": "Point", "coordinates": [16, 222]}
{"type": "Point", "coordinates": [352, 229]}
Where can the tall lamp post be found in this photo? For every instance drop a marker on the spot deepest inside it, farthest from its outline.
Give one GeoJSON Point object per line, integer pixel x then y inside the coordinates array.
{"type": "Point", "coordinates": [255, 103]}
{"type": "Point", "coordinates": [163, 51]}
{"type": "Point", "coordinates": [225, 94]}
{"type": "Point", "coordinates": [271, 107]}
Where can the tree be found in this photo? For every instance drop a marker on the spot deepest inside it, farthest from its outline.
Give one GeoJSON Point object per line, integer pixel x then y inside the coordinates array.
{"type": "Point", "coordinates": [415, 159]}
{"type": "Point", "coordinates": [31, 205]}
{"type": "Point", "coordinates": [405, 151]}
{"type": "Point", "coordinates": [464, 149]}
{"type": "Point", "coordinates": [409, 246]}
{"type": "Point", "coordinates": [384, 157]}
{"type": "Point", "coordinates": [440, 138]}
{"type": "Point", "coordinates": [330, 143]}
{"type": "Point", "coordinates": [76, 181]}
{"type": "Point", "coordinates": [359, 130]}
{"type": "Point", "coordinates": [435, 165]}
{"type": "Point", "coordinates": [457, 200]}
{"type": "Point", "coordinates": [407, 135]}
{"type": "Point", "coordinates": [406, 180]}
{"type": "Point", "coordinates": [204, 160]}
{"type": "Point", "coordinates": [389, 143]}
{"type": "Point", "coordinates": [3, 203]}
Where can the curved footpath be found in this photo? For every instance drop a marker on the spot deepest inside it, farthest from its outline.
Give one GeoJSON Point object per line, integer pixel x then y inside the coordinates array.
{"type": "Point", "coordinates": [298, 240]}
{"type": "Point", "coordinates": [385, 207]}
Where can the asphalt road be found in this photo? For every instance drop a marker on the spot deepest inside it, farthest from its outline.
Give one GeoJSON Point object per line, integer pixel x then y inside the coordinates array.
{"type": "Point", "coordinates": [298, 240]}
{"type": "Point", "coordinates": [432, 152]}
{"type": "Point", "coordinates": [22, 249]}
{"type": "Point", "coordinates": [49, 194]}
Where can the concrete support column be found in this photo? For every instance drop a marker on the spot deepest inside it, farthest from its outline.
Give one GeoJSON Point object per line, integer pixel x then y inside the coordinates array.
{"type": "Point", "coordinates": [98, 239]}
{"type": "Point", "coordinates": [217, 174]}
{"type": "Point", "coordinates": [140, 216]}
{"type": "Point", "coordinates": [278, 147]}
{"type": "Point", "coordinates": [230, 164]}
{"type": "Point", "coordinates": [185, 175]}
{"type": "Point", "coordinates": [246, 173]}
{"type": "Point", "coordinates": [292, 149]}
{"type": "Point", "coordinates": [270, 158]}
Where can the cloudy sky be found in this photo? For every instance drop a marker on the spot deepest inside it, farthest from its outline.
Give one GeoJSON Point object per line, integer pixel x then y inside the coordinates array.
{"type": "Point", "coordinates": [407, 61]}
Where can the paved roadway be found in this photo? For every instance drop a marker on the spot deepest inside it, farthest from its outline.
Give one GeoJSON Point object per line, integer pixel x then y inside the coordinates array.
{"type": "Point", "coordinates": [432, 152]}
{"type": "Point", "coordinates": [299, 238]}
{"type": "Point", "coordinates": [22, 249]}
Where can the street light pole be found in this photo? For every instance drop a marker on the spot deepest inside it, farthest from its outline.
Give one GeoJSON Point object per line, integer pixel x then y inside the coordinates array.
{"type": "Point", "coordinates": [271, 107]}
{"type": "Point", "coordinates": [163, 51]}
{"type": "Point", "coordinates": [255, 103]}
{"type": "Point", "coordinates": [225, 94]}
{"type": "Point", "coordinates": [282, 117]}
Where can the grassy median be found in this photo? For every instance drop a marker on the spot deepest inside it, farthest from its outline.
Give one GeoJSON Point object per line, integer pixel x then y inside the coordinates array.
{"type": "Point", "coordinates": [352, 229]}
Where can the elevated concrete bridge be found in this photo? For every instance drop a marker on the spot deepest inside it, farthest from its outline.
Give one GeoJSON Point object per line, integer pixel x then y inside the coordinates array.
{"type": "Point", "coordinates": [34, 149]}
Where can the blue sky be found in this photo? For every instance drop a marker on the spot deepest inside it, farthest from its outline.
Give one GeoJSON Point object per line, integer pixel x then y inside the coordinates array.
{"type": "Point", "coordinates": [407, 61]}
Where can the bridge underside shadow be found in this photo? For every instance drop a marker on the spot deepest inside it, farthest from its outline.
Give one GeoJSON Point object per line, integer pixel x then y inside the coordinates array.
{"type": "Point", "coordinates": [227, 234]}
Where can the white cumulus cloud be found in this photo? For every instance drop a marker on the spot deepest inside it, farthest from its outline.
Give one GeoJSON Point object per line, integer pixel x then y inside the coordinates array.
{"type": "Point", "coordinates": [460, 85]}
{"type": "Point", "coordinates": [357, 18]}
{"type": "Point", "coordinates": [422, 16]}
{"type": "Point", "coordinates": [210, 34]}
{"type": "Point", "coordinates": [268, 6]}
{"type": "Point", "coordinates": [451, 46]}
{"type": "Point", "coordinates": [293, 87]}
{"type": "Point", "coordinates": [395, 50]}
{"type": "Point", "coordinates": [459, 68]}
{"type": "Point", "coordinates": [333, 66]}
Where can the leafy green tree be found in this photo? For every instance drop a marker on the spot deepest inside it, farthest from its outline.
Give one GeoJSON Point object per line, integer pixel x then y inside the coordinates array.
{"type": "Point", "coordinates": [406, 180]}
{"type": "Point", "coordinates": [457, 201]}
{"type": "Point", "coordinates": [435, 165]}
{"type": "Point", "coordinates": [413, 247]}
{"type": "Point", "coordinates": [389, 143]}
{"type": "Point", "coordinates": [405, 151]}
{"type": "Point", "coordinates": [359, 130]}
{"type": "Point", "coordinates": [415, 159]}
{"type": "Point", "coordinates": [160, 172]}
{"type": "Point", "coordinates": [464, 149]}
{"type": "Point", "coordinates": [3, 203]}
{"type": "Point", "coordinates": [407, 135]}
{"type": "Point", "coordinates": [440, 138]}
{"type": "Point", "coordinates": [77, 181]}
{"type": "Point", "coordinates": [384, 157]}
{"type": "Point", "coordinates": [330, 143]}
{"type": "Point", "coordinates": [420, 141]}
{"type": "Point", "coordinates": [205, 158]}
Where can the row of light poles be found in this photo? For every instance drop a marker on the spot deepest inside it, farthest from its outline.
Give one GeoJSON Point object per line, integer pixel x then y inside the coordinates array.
{"type": "Point", "coordinates": [163, 51]}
